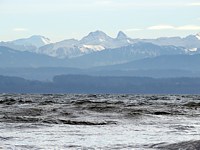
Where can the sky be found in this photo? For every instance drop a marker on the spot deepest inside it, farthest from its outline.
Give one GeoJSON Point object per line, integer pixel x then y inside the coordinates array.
{"type": "Point", "coordinates": [65, 19]}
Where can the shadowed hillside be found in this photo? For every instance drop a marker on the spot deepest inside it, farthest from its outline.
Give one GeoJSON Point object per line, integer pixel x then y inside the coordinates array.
{"type": "Point", "coordinates": [92, 84]}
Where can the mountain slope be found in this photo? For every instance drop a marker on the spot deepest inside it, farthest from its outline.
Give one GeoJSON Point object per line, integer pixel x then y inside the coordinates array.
{"type": "Point", "coordinates": [125, 54]}
{"type": "Point", "coordinates": [14, 58]}
{"type": "Point", "coordinates": [165, 62]}
{"type": "Point", "coordinates": [35, 40]}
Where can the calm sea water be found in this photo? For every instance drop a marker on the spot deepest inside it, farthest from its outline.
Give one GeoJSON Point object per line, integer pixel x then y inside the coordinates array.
{"type": "Point", "coordinates": [97, 121]}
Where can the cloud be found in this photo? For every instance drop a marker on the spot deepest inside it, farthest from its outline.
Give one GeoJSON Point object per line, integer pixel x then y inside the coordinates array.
{"type": "Point", "coordinates": [20, 29]}
{"type": "Point", "coordinates": [166, 27]}
{"type": "Point", "coordinates": [161, 27]}
{"type": "Point", "coordinates": [194, 4]}
{"type": "Point", "coordinates": [170, 27]}
{"type": "Point", "coordinates": [188, 27]}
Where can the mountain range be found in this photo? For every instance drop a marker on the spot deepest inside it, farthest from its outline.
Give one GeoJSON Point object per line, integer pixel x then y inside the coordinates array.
{"type": "Point", "coordinates": [13, 58]}
{"type": "Point", "coordinates": [100, 54]}
{"type": "Point", "coordinates": [94, 42]}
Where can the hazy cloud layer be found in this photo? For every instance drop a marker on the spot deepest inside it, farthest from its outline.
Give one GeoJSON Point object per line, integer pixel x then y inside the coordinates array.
{"type": "Point", "coordinates": [62, 19]}
{"type": "Point", "coordinates": [166, 27]}
{"type": "Point", "coordinates": [20, 29]}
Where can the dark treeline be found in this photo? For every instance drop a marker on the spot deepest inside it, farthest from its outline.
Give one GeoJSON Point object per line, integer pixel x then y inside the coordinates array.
{"type": "Point", "coordinates": [94, 84]}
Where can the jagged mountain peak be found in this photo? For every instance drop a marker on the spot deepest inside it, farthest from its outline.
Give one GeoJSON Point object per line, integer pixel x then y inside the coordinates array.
{"type": "Point", "coordinates": [121, 35]}
{"type": "Point", "coordinates": [97, 32]}
{"type": "Point", "coordinates": [96, 35]}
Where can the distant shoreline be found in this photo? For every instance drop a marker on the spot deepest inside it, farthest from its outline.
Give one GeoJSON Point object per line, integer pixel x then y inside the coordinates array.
{"type": "Point", "coordinates": [83, 84]}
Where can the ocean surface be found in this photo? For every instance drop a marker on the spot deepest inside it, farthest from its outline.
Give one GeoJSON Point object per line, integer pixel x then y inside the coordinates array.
{"type": "Point", "coordinates": [99, 122]}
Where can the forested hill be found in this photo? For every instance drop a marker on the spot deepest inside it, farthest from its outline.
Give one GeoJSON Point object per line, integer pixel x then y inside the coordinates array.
{"type": "Point", "coordinates": [93, 84]}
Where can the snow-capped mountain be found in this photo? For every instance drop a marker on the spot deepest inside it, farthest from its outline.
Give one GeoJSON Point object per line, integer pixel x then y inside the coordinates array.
{"type": "Point", "coordinates": [123, 40]}
{"type": "Point", "coordinates": [93, 42]}
{"type": "Point", "coordinates": [35, 40]}
{"type": "Point", "coordinates": [27, 44]}
{"type": "Point", "coordinates": [97, 37]}
{"type": "Point", "coordinates": [121, 36]}
{"type": "Point", "coordinates": [191, 42]}
{"type": "Point", "coordinates": [99, 40]}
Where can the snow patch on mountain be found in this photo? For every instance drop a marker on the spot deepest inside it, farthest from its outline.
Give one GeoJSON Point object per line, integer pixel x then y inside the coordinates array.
{"type": "Point", "coordinates": [198, 36]}
{"type": "Point", "coordinates": [92, 47]}
{"type": "Point", "coordinates": [193, 49]}
{"type": "Point", "coordinates": [128, 41]}
{"type": "Point", "coordinates": [45, 41]}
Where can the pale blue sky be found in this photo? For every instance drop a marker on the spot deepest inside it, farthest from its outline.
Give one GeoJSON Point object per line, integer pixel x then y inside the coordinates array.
{"type": "Point", "coordinates": [63, 19]}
